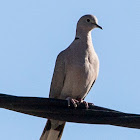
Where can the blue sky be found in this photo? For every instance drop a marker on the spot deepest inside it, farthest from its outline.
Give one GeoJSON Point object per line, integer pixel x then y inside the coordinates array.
{"type": "Point", "coordinates": [32, 33]}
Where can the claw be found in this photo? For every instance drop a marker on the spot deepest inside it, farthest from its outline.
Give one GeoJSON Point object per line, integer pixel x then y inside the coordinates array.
{"type": "Point", "coordinates": [84, 102]}
{"type": "Point", "coordinates": [76, 102]}
{"type": "Point", "coordinates": [73, 101]}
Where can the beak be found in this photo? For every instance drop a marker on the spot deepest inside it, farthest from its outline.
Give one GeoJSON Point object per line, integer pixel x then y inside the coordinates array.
{"type": "Point", "coordinates": [98, 26]}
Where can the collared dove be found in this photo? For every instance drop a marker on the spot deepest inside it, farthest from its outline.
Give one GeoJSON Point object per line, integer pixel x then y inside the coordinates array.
{"type": "Point", "coordinates": [75, 72]}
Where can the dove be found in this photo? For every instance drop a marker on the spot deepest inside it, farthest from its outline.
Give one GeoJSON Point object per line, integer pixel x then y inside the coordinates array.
{"type": "Point", "coordinates": [76, 70]}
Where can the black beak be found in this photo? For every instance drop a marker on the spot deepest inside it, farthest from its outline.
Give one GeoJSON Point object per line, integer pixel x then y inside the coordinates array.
{"type": "Point", "coordinates": [98, 26]}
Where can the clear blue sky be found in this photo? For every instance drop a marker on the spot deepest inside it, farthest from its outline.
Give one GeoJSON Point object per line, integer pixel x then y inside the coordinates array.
{"type": "Point", "coordinates": [33, 32]}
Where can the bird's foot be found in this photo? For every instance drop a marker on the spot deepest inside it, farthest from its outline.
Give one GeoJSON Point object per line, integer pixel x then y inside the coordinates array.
{"type": "Point", "coordinates": [84, 102]}
{"type": "Point", "coordinates": [77, 102]}
{"type": "Point", "coordinates": [73, 101]}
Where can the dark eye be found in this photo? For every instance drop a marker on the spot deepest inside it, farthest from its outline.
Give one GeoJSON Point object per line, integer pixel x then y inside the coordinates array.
{"type": "Point", "coordinates": [88, 20]}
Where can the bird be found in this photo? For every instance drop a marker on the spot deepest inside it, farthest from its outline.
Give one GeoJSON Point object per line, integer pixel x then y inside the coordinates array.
{"type": "Point", "coordinates": [76, 70]}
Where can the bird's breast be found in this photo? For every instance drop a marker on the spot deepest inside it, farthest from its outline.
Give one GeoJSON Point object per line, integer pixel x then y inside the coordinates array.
{"type": "Point", "coordinates": [80, 75]}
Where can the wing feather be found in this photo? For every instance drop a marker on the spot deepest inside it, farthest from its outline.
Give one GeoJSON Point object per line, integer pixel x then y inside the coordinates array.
{"type": "Point", "coordinates": [58, 77]}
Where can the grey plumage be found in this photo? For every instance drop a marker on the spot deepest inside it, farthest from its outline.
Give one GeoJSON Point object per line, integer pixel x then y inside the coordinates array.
{"type": "Point", "coordinates": [76, 70]}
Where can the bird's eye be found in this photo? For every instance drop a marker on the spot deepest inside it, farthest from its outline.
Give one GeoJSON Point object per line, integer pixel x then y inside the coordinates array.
{"type": "Point", "coordinates": [88, 20]}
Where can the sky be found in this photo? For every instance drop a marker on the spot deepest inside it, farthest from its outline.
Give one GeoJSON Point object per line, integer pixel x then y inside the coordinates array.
{"type": "Point", "coordinates": [33, 32]}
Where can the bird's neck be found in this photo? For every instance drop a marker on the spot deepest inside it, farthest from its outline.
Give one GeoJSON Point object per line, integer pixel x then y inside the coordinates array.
{"type": "Point", "coordinates": [84, 36]}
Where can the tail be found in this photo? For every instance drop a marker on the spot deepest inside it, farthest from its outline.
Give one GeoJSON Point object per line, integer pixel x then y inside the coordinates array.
{"type": "Point", "coordinates": [53, 130]}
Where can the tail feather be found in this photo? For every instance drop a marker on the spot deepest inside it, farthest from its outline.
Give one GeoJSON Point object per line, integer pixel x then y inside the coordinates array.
{"type": "Point", "coordinates": [53, 130]}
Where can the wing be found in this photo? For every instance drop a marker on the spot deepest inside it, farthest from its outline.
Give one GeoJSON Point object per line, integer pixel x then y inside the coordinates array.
{"type": "Point", "coordinates": [58, 77]}
{"type": "Point", "coordinates": [89, 89]}
{"type": "Point", "coordinates": [92, 85]}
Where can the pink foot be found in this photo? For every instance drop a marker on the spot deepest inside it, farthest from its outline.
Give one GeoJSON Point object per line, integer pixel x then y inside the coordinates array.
{"type": "Point", "coordinates": [82, 101]}
{"type": "Point", "coordinates": [73, 101]}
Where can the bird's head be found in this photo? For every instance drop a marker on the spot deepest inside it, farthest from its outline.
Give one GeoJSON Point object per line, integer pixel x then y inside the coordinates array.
{"type": "Point", "coordinates": [88, 22]}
